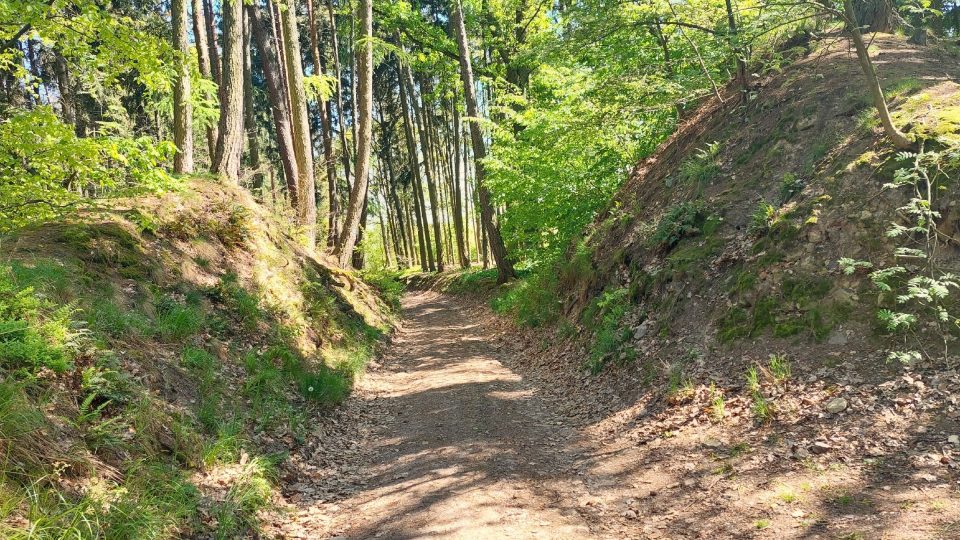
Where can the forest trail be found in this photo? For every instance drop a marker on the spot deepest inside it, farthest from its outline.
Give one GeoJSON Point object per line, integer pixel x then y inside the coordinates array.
{"type": "Point", "coordinates": [465, 447]}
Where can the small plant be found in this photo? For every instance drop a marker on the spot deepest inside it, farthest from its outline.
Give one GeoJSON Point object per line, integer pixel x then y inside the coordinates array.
{"type": "Point", "coordinates": [325, 385]}
{"type": "Point", "coordinates": [245, 306]}
{"type": "Point", "coordinates": [763, 219]}
{"type": "Point", "coordinates": [915, 288]}
{"type": "Point", "coordinates": [717, 404]}
{"type": "Point", "coordinates": [107, 317]}
{"type": "Point", "coordinates": [761, 524]}
{"type": "Point", "coordinates": [790, 186]}
{"type": "Point", "coordinates": [703, 167]}
{"type": "Point", "coordinates": [779, 368]}
{"type": "Point", "coordinates": [761, 407]}
{"type": "Point", "coordinates": [387, 284]}
{"type": "Point", "coordinates": [753, 380]}
{"type": "Point", "coordinates": [680, 221]}
{"type": "Point", "coordinates": [739, 449]}
{"type": "Point", "coordinates": [605, 316]}
{"type": "Point", "coordinates": [787, 495]}
{"type": "Point", "coordinates": [679, 385]}
{"type": "Point", "coordinates": [251, 491]}
{"type": "Point", "coordinates": [533, 301]}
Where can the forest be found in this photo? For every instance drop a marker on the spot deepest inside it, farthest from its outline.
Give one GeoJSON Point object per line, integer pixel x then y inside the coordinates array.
{"type": "Point", "coordinates": [479, 268]}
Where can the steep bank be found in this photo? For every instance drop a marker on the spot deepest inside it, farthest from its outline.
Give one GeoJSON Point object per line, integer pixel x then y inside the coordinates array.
{"type": "Point", "coordinates": [705, 327]}
{"type": "Point", "coordinates": [160, 359]}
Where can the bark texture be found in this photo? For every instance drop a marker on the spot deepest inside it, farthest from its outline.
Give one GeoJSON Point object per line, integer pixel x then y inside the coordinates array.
{"type": "Point", "coordinates": [355, 205]}
{"type": "Point", "coordinates": [182, 105]}
{"type": "Point", "coordinates": [302, 144]}
{"type": "Point", "coordinates": [226, 163]}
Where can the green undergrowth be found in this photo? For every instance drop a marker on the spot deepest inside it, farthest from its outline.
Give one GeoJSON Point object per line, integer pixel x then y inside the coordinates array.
{"type": "Point", "coordinates": [799, 306]}
{"type": "Point", "coordinates": [119, 389]}
{"type": "Point", "coordinates": [603, 317]}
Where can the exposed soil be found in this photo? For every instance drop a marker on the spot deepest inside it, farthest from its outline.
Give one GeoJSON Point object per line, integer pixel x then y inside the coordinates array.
{"type": "Point", "coordinates": [457, 434]}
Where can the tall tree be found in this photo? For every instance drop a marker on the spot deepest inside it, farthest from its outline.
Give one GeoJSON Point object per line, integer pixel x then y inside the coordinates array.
{"type": "Point", "coordinates": [338, 74]}
{"type": "Point", "coordinates": [226, 162]}
{"type": "Point", "coordinates": [504, 264]}
{"type": "Point", "coordinates": [182, 104]}
{"type": "Point", "coordinates": [277, 95]}
{"type": "Point", "coordinates": [326, 133]}
{"type": "Point", "coordinates": [419, 120]}
{"type": "Point", "coordinates": [201, 41]}
{"type": "Point", "coordinates": [355, 205]}
{"type": "Point", "coordinates": [302, 142]}
{"type": "Point", "coordinates": [211, 41]}
{"type": "Point", "coordinates": [455, 194]}
{"type": "Point", "coordinates": [249, 112]}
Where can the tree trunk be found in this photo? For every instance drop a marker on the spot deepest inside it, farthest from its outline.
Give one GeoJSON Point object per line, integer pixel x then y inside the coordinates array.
{"type": "Point", "coordinates": [323, 106]}
{"type": "Point", "coordinates": [348, 237]}
{"type": "Point", "coordinates": [249, 114]}
{"type": "Point", "coordinates": [505, 270]}
{"type": "Point", "coordinates": [391, 196]}
{"type": "Point", "coordinates": [384, 236]}
{"type": "Point", "coordinates": [734, 42]}
{"type": "Point", "coordinates": [875, 15]}
{"type": "Point", "coordinates": [300, 122]}
{"type": "Point", "coordinates": [455, 192]}
{"type": "Point", "coordinates": [335, 45]}
{"type": "Point", "coordinates": [213, 51]}
{"type": "Point", "coordinates": [182, 104]}
{"type": "Point", "coordinates": [873, 82]}
{"type": "Point", "coordinates": [226, 163]}
{"type": "Point", "coordinates": [276, 93]}
{"type": "Point", "coordinates": [414, 164]}
{"type": "Point", "coordinates": [416, 219]}
{"type": "Point", "coordinates": [420, 117]}
{"type": "Point", "coordinates": [358, 260]}
{"type": "Point", "coordinates": [202, 44]}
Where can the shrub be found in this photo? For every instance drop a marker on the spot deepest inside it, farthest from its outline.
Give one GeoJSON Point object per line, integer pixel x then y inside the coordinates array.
{"type": "Point", "coordinates": [604, 316]}
{"type": "Point", "coordinates": [532, 301]}
{"type": "Point", "coordinates": [702, 168]}
{"type": "Point", "coordinates": [680, 221]}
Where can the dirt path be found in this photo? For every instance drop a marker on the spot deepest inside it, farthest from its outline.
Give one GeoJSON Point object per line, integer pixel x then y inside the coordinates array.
{"type": "Point", "coordinates": [466, 449]}
{"type": "Point", "coordinates": [442, 439]}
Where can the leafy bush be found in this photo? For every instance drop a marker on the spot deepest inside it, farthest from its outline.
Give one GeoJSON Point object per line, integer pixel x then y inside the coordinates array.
{"type": "Point", "coordinates": [45, 167]}
{"type": "Point", "coordinates": [532, 301]}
